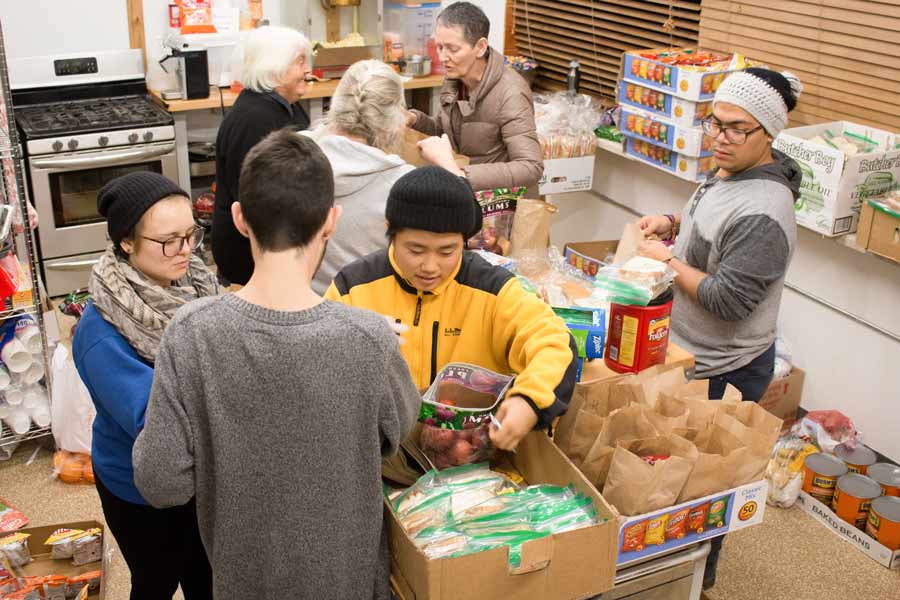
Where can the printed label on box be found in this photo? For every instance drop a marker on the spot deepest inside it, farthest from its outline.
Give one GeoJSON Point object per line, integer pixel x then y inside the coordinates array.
{"type": "Point", "coordinates": [563, 175]}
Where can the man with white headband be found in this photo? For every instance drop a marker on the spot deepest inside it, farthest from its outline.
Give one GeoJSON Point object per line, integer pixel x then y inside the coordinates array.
{"type": "Point", "coordinates": [735, 239]}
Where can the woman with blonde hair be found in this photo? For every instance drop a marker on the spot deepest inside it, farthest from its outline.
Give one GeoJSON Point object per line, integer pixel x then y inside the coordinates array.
{"type": "Point", "coordinates": [361, 134]}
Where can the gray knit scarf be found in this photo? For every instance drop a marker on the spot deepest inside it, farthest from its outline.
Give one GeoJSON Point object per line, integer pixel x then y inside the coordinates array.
{"type": "Point", "coordinates": [140, 309]}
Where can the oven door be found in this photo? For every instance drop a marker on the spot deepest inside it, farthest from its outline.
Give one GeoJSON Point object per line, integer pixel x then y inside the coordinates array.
{"type": "Point", "coordinates": [65, 190]}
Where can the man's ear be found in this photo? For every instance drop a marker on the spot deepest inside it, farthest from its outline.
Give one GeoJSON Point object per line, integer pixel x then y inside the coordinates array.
{"type": "Point", "coordinates": [334, 215]}
{"type": "Point", "coordinates": [238, 217]}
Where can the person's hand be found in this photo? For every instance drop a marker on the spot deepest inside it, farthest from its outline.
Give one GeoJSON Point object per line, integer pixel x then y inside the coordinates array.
{"type": "Point", "coordinates": [655, 225]}
{"type": "Point", "coordinates": [655, 250]}
{"type": "Point", "coordinates": [516, 419]}
{"type": "Point", "coordinates": [411, 118]}
{"type": "Point", "coordinates": [398, 328]}
{"type": "Point", "coordinates": [33, 221]}
{"type": "Point", "coordinates": [438, 151]}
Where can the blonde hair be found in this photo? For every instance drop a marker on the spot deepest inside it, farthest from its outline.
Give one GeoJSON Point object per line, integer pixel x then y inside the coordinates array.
{"type": "Point", "coordinates": [268, 53]}
{"type": "Point", "coordinates": [369, 104]}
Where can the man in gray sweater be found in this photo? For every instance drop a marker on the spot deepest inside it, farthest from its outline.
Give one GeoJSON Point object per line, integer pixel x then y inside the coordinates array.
{"type": "Point", "coordinates": [274, 408]}
{"type": "Point", "coordinates": [736, 239]}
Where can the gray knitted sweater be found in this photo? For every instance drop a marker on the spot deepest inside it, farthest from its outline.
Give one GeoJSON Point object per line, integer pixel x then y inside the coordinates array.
{"type": "Point", "coordinates": [277, 423]}
{"type": "Point", "coordinates": [741, 231]}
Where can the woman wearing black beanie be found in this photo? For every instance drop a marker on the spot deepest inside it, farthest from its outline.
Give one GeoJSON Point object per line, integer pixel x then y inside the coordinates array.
{"type": "Point", "coordinates": [146, 274]}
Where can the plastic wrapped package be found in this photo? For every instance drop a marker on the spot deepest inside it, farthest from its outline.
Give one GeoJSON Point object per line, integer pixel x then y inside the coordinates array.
{"type": "Point", "coordinates": [442, 542]}
{"type": "Point", "coordinates": [784, 472]}
{"type": "Point", "coordinates": [498, 208]}
{"type": "Point", "coordinates": [827, 429]}
{"type": "Point", "coordinates": [565, 124]}
{"type": "Point", "coordinates": [15, 548]}
{"type": "Point", "coordinates": [456, 414]}
{"type": "Point", "coordinates": [548, 274]}
{"type": "Point", "coordinates": [62, 543]}
{"type": "Point", "coordinates": [513, 539]}
{"type": "Point", "coordinates": [433, 511]}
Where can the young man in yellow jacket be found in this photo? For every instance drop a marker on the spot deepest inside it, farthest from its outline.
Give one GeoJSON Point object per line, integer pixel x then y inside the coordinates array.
{"type": "Point", "coordinates": [458, 307]}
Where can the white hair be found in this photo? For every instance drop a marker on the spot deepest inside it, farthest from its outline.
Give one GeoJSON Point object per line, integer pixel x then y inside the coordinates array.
{"type": "Point", "coordinates": [268, 53]}
{"type": "Point", "coordinates": [368, 103]}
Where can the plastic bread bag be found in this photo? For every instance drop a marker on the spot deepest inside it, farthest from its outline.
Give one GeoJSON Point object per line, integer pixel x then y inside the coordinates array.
{"type": "Point", "coordinates": [827, 429]}
{"type": "Point", "coordinates": [433, 512]}
{"type": "Point", "coordinates": [516, 505]}
{"type": "Point", "coordinates": [62, 543]}
{"type": "Point", "coordinates": [784, 472]}
{"type": "Point", "coordinates": [88, 547]}
{"type": "Point", "coordinates": [644, 273]}
{"type": "Point", "coordinates": [15, 548]}
{"type": "Point", "coordinates": [442, 542]}
{"type": "Point", "coordinates": [456, 412]}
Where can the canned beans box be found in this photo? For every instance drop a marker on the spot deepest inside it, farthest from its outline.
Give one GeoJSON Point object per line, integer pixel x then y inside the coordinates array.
{"type": "Point", "coordinates": [887, 476]}
{"type": "Point", "coordinates": [884, 522]}
{"type": "Point", "coordinates": [821, 472]}
{"type": "Point", "coordinates": [858, 460]}
{"type": "Point", "coordinates": [853, 496]}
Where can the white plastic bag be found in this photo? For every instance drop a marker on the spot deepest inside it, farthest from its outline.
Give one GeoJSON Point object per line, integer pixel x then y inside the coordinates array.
{"type": "Point", "coordinates": [72, 411]}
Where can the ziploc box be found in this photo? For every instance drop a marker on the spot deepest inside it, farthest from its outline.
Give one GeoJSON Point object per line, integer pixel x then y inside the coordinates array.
{"type": "Point", "coordinates": [682, 81]}
{"type": "Point", "coordinates": [689, 141]}
{"type": "Point", "coordinates": [588, 328]}
{"type": "Point", "coordinates": [677, 110]}
{"type": "Point", "coordinates": [690, 522]}
{"type": "Point", "coordinates": [685, 167]}
{"type": "Point", "coordinates": [836, 184]}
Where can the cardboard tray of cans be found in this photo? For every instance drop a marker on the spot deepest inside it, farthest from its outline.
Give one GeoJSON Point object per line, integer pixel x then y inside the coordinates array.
{"type": "Point", "coordinates": [685, 167]}
{"type": "Point", "coordinates": [861, 540]}
{"type": "Point", "coordinates": [692, 522]}
{"type": "Point", "coordinates": [656, 68]}
{"type": "Point", "coordinates": [685, 113]}
{"type": "Point", "coordinates": [689, 141]}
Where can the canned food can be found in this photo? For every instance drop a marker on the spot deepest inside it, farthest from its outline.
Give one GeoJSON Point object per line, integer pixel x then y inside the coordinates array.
{"type": "Point", "coordinates": [887, 476]}
{"type": "Point", "coordinates": [853, 496]}
{"type": "Point", "coordinates": [858, 459]}
{"type": "Point", "coordinates": [884, 522]}
{"type": "Point", "coordinates": [821, 472]}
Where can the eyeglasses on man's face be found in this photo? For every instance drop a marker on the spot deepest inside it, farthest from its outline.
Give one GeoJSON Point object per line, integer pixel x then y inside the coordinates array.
{"type": "Point", "coordinates": [733, 135]}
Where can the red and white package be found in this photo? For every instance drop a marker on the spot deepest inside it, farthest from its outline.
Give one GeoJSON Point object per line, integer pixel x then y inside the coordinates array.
{"type": "Point", "coordinates": [10, 518]}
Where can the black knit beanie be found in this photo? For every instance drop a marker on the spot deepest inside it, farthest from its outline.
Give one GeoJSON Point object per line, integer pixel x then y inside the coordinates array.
{"type": "Point", "coordinates": [433, 199]}
{"type": "Point", "coordinates": [124, 200]}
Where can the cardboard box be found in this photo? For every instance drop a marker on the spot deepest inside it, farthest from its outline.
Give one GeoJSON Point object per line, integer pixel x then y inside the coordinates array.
{"type": "Point", "coordinates": [596, 370]}
{"type": "Point", "coordinates": [849, 533]}
{"type": "Point", "coordinates": [746, 506]}
{"type": "Point", "coordinates": [689, 141]}
{"type": "Point", "coordinates": [563, 175]}
{"type": "Point", "coordinates": [590, 257]}
{"type": "Point", "coordinates": [690, 84]}
{"type": "Point", "coordinates": [685, 167]}
{"type": "Point", "coordinates": [879, 230]}
{"type": "Point", "coordinates": [677, 110]}
{"type": "Point", "coordinates": [574, 564]}
{"type": "Point", "coordinates": [834, 184]}
{"type": "Point", "coordinates": [782, 398]}
{"type": "Point", "coordinates": [42, 565]}
{"type": "Point", "coordinates": [588, 328]}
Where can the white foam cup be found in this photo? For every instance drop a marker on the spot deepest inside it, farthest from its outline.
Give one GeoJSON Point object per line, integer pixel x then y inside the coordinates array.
{"type": "Point", "coordinates": [15, 356]}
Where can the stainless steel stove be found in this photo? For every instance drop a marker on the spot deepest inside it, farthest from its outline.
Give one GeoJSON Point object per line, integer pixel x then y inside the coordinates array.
{"type": "Point", "coordinates": [85, 120]}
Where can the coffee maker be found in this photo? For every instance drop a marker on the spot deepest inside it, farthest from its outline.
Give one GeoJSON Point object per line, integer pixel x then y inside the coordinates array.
{"type": "Point", "coordinates": [191, 71]}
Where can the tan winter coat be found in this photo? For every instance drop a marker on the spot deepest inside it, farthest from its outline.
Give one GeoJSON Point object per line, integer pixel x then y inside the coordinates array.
{"type": "Point", "coordinates": [494, 128]}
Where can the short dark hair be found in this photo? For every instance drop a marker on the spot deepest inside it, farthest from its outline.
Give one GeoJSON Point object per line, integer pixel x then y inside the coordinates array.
{"type": "Point", "coordinates": [286, 190]}
{"type": "Point", "coordinates": [471, 19]}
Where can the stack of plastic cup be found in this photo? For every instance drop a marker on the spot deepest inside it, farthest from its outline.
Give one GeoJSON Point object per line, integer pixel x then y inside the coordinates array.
{"type": "Point", "coordinates": [18, 421]}
{"type": "Point", "coordinates": [14, 396]}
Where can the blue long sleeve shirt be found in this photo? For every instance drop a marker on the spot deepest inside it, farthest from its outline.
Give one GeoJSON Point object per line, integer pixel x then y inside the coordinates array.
{"type": "Point", "coordinates": [119, 382]}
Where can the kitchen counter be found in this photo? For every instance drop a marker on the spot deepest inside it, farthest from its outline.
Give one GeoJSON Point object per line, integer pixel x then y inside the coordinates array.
{"type": "Point", "coordinates": [316, 90]}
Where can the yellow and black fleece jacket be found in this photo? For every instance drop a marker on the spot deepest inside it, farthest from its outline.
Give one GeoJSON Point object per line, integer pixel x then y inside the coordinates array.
{"type": "Point", "coordinates": [481, 315]}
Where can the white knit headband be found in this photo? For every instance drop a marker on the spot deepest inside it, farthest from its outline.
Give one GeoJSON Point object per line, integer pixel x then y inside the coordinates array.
{"type": "Point", "coordinates": [757, 97]}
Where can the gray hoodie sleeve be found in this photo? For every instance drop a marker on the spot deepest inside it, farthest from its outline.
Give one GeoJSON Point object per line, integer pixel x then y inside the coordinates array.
{"type": "Point", "coordinates": [400, 400]}
{"type": "Point", "coordinates": [163, 454]}
{"type": "Point", "coordinates": [754, 254]}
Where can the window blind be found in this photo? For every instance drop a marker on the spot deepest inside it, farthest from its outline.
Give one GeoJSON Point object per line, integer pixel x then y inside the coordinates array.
{"type": "Point", "coordinates": [844, 51]}
{"type": "Point", "coordinates": [596, 32]}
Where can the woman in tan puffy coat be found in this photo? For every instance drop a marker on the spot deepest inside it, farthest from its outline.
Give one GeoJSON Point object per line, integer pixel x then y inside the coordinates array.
{"type": "Point", "coordinates": [486, 112]}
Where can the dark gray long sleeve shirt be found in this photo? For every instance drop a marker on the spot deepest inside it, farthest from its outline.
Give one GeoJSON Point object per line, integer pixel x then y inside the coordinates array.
{"type": "Point", "coordinates": [277, 422]}
{"type": "Point", "coordinates": [741, 231]}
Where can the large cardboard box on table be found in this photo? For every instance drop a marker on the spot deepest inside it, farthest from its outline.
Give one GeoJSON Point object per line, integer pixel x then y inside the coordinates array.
{"type": "Point", "coordinates": [879, 230]}
{"type": "Point", "coordinates": [783, 396]}
{"type": "Point", "coordinates": [678, 111]}
{"type": "Point", "coordinates": [835, 184]}
{"type": "Point", "coordinates": [686, 167]}
{"type": "Point", "coordinates": [562, 175]}
{"type": "Point", "coordinates": [42, 565]}
{"type": "Point", "coordinates": [574, 564]}
{"type": "Point", "coordinates": [684, 82]}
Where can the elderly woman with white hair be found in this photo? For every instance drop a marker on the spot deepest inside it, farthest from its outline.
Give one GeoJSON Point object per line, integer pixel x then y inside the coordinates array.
{"type": "Point", "coordinates": [276, 63]}
{"type": "Point", "coordinates": [360, 136]}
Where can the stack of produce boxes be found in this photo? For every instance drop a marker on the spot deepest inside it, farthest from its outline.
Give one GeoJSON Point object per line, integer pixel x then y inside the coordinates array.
{"type": "Point", "coordinates": [664, 96]}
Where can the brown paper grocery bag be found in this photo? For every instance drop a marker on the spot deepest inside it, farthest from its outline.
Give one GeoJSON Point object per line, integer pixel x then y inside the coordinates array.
{"type": "Point", "coordinates": [531, 227]}
{"type": "Point", "coordinates": [752, 415]}
{"type": "Point", "coordinates": [593, 397]}
{"type": "Point", "coordinates": [635, 487]}
{"type": "Point", "coordinates": [758, 444]}
{"type": "Point", "coordinates": [587, 427]}
{"type": "Point", "coordinates": [669, 414]}
{"type": "Point", "coordinates": [625, 424]}
{"type": "Point", "coordinates": [719, 454]}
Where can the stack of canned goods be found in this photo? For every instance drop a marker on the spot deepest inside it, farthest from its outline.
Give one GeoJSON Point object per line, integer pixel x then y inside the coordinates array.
{"type": "Point", "coordinates": [859, 490]}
